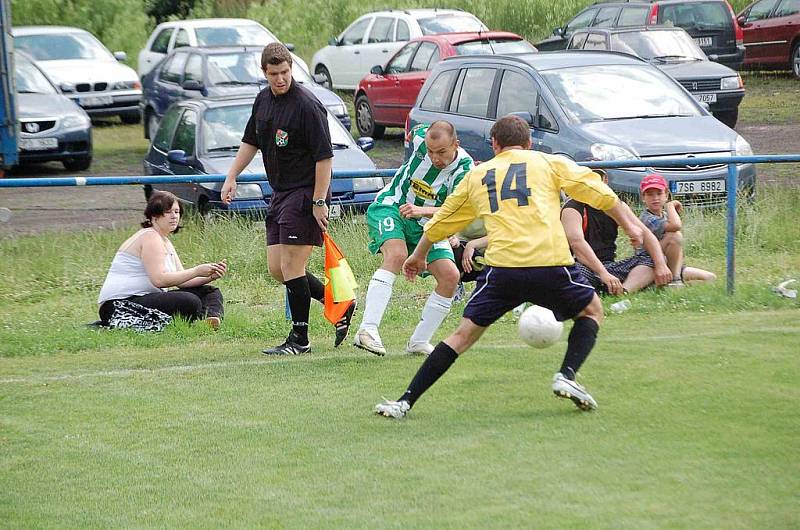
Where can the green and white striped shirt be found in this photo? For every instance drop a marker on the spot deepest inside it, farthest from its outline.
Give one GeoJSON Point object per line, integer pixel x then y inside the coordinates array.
{"type": "Point", "coordinates": [418, 182]}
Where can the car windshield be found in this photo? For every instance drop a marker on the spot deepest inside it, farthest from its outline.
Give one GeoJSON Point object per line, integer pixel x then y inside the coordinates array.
{"type": "Point", "coordinates": [494, 46]}
{"type": "Point", "coordinates": [244, 68]}
{"type": "Point", "coordinates": [62, 46]}
{"type": "Point", "coordinates": [658, 45]}
{"type": "Point", "coordinates": [248, 35]}
{"type": "Point", "coordinates": [30, 80]}
{"type": "Point", "coordinates": [223, 128]}
{"type": "Point", "coordinates": [697, 16]}
{"type": "Point", "coordinates": [617, 92]}
{"type": "Point", "coordinates": [450, 24]}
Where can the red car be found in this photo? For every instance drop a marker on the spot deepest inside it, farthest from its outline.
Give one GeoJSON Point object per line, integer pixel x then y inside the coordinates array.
{"type": "Point", "coordinates": [772, 35]}
{"type": "Point", "coordinates": [385, 95]}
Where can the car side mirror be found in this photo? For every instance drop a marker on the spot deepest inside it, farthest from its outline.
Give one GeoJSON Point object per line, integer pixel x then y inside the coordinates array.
{"type": "Point", "coordinates": [333, 41]}
{"type": "Point", "coordinates": [319, 79]}
{"type": "Point", "coordinates": [528, 117]}
{"type": "Point", "coordinates": [121, 56]}
{"type": "Point", "coordinates": [558, 32]}
{"type": "Point", "coordinates": [192, 84]}
{"type": "Point", "coordinates": [177, 156]}
{"type": "Point", "coordinates": [705, 106]}
{"type": "Point", "coordinates": [365, 143]}
{"type": "Point", "coordinates": [742, 21]}
{"type": "Point", "coordinates": [377, 70]}
{"type": "Point", "coordinates": [289, 46]}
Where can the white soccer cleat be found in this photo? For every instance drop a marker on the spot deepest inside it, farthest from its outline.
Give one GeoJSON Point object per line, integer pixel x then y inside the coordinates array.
{"type": "Point", "coordinates": [565, 388]}
{"type": "Point", "coordinates": [393, 409]}
{"type": "Point", "coordinates": [425, 348]}
{"type": "Point", "coordinates": [370, 341]}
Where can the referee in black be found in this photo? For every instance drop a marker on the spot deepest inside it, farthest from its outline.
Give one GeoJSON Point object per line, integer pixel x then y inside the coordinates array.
{"type": "Point", "coordinates": [290, 127]}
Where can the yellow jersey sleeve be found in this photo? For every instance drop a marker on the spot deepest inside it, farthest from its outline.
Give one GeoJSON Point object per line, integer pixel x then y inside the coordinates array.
{"type": "Point", "coordinates": [582, 184]}
{"type": "Point", "coordinates": [456, 212]}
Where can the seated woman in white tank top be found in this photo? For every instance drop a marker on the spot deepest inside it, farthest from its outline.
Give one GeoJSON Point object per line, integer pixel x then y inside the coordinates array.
{"type": "Point", "coordinates": [146, 266]}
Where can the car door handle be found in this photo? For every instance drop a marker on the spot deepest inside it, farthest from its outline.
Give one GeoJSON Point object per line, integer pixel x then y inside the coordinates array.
{"type": "Point", "coordinates": [397, 83]}
{"type": "Point", "coordinates": [385, 51]}
{"type": "Point", "coordinates": [356, 52]}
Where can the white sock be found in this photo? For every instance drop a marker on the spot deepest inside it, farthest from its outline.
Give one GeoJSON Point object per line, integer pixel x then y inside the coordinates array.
{"type": "Point", "coordinates": [378, 294]}
{"type": "Point", "coordinates": [433, 314]}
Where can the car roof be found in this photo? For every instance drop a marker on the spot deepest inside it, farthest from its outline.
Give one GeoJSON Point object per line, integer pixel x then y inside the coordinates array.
{"type": "Point", "coordinates": [214, 50]}
{"type": "Point", "coordinates": [556, 60]}
{"type": "Point", "coordinates": [467, 36]}
{"type": "Point", "coordinates": [630, 29]}
{"type": "Point", "coordinates": [419, 12]}
{"type": "Point", "coordinates": [19, 31]}
{"type": "Point", "coordinates": [209, 22]}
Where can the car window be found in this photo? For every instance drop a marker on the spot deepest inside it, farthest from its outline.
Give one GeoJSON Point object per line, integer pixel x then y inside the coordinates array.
{"type": "Point", "coordinates": [581, 21]}
{"type": "Point", "coordinates": [517, 94]}
{"type": "Point", "coordinates": [186, 133]}
{"type": "Point", "coordinates": [450, 24]}
{"type": "Point", "coordinates": [595, 41]}
{"type": "Point", "coordinates": [246, 35]}
{"type": "Point", "coordinates": [697, 15]}
{"type": "Point", "coordinates": [788, 7]}
{"type": "Point", "coordinates": [423, 57]}
{"type": "Point", "coordinates": [494, 46]}
{"type": "Point", "coordinates": [435, 58]}
{"type": "Point", "coordinates": [381, 30]}
{"type": "Point", "coordinates": [172, 70]}
{"type": "Point", "coordinates": [605, 17]}
{"type": "Point", "coordinates": [760, 10]}
{"type": "Point", "coordinates": [194, 68]}
{"type": "Point", "coordinates": [165, 129]}
{"type": "Point", "coordinates": [402, 31]}
{"type": "Point", "coordinates": [577, 41]}
{"type": "Point", "coordinates": [223, 127]}
{"type": "Point", "coordinates": [62, 46]}
{"type": "Point", "coordinates": [474, 97]}
{"type": "Point", "coordinates": [30, 80]}
{"type": "Point", "coordinates": [632, 16]}
{"type": "Point", "coordinates": [657, 44]}
{"type": "Point", "coordinates": [436, 97]}
{"type": "Point", "coordinates": [399, 62]}
{"type": "Point", "coordinates": [546, 118]}
{"type": "Point", "coordinates": [181, 39]}
{"type": "Point", "coordinates": [161, 42]}
{"type": "Point", "coordinates": [241, 68]}
{"type": "Point", "coordinates": [355, 35]}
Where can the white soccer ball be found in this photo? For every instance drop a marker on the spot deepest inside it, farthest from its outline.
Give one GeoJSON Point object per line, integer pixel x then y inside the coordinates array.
{"type": "Point", "coordinates": [539, 328]}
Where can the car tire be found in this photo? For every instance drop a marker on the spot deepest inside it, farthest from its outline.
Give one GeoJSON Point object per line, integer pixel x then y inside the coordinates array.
{"type": "Point", "coordinates": [365, 121]}
{"type": "Point", "coordinates": [150, 124]}
{"type": "Point", "coordinates": [728, 117]}
{"type": "Point", "coordinates": [80, 163]}
{"type": "Point", "coordinates": [131, 118]}
{"type": "Point", "coordinates": [795, 59]}
{"type": "Point", "coordinates": [328, 83]}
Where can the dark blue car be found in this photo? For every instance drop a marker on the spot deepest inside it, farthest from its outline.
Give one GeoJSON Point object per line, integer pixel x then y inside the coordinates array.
{"type": "Point", "coordinates": [588, 106]}
{"type": "Point", "coordinates": [217, 72]}
{"type": "Point", "coordinates": [202, 136]}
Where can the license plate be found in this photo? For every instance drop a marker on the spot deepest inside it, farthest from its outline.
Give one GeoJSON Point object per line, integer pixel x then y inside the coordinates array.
{"type": "Point", "coordinates": [38, 144]}
{"type": "Point", "coordinates": [686, 187]}
{"type": "Point", "coordinates": [335, 211]}
{"type": "Point", "coordinates": [705, 98]}
{"type": "Point", "coordinates": [703, 41]}
{"type": "Point", "coordinates": [96, 101]}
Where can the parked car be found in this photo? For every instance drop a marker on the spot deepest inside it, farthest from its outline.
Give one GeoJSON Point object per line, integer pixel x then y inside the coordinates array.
{"type": "Point", "coordinates": [674, 52]}
{"type": "Point", "coordinates": [772, 35]}
{"type": "Point", "coordinates": [200, 136]}
{"type": "Point", "coordinates": [84, 69]}
{"type": "Point", "coordinates": [588, 106]}
{"type": "Point", "coordinates": [204, 33]}
{"type": "Point", "coordinates": [216, 72]}
{"type": "Point", "coordinates": [52, 126]}
{"type": "Point", "coordinates": [385, 95]}
{"type": "Point", "coordinates": [711, 23]}
{"type": "Point", "coordinates": [373, 38]}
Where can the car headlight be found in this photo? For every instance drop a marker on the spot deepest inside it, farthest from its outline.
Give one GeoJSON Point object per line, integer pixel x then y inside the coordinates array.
{"type": "Point", "coordinates": [126, 85]}
{"type": "Point", "coordinates": [337, 110]}
{"type": "Point", "coordinates": [732, 83]}
{"type": "Point", "coordinates": [367, 184]}
{"type": "Point", "coordinates": [742, 147]}
{"type": "Point", "coordinates": [608, 152]}
{"type": "Point", "coordinates": [249, 191]}
{"type": "Point", "coordinates": [72, 121]}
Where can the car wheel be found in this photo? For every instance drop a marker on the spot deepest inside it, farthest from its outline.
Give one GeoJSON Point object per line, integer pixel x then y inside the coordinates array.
{"type": "Point", "coordinates": [131, 118]}
{"type": "Point", "coordinates": [77, 164]}
{"type": "Point", "coordinates": [328, 82]}
{"type": "Point", "coordinates": [365, 123]}
{"type": "Point", "coordinates": [728, 117]}
{"type": "Point", "coordinates": [796, 59]}
{"type": "Point", "coordinates": [151, 124]}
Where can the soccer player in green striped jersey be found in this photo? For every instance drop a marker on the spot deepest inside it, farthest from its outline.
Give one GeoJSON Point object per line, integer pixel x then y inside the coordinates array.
{"type": "Point", "coordinates": [395, 220]}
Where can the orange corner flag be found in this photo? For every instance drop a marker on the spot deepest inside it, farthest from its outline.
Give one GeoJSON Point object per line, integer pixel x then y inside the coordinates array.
{"type": "Point", "coordinates": [340, 283]}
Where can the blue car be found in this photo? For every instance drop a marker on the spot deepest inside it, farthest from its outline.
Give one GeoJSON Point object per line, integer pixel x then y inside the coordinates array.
{"type": "Point", "coordinates": [217, 72]}
{"type": "Point", "coordinates": [588, 106]}
{"type": "Point", "coordinates": [202, 136]}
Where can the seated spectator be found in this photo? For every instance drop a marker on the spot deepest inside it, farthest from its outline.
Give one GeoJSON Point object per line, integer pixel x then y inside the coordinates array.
{"type": "Point", "coordinates": [135, 293]}
{"type": "Point", "coordinates": [662, 217]}
{"type": "Point", "coordinates": [592, 237]}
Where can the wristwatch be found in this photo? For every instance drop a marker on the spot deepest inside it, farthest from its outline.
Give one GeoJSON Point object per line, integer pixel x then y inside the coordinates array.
{"type": "Point", "coordinates": [319, 202]}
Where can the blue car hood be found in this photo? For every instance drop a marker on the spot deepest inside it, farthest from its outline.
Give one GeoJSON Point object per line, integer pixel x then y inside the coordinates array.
{"type": "Point", "coordinates": [663, 136]}
{"type": "Point", "coordinates": [45, 106]}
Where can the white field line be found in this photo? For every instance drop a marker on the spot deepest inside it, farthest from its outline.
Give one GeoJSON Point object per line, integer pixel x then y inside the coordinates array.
{"type": "Point", "coordinates": [127, 372]}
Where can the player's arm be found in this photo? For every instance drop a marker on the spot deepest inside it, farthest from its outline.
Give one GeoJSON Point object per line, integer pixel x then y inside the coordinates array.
{"type": "Point", "coordinates": [627, 220]}
{"type": "Point", "coordinates": [572, 221]}
{"type": "Point", "coordinates": [674, 223]}
{"type": "Point", "coordinates": [662, 273]}
{"type": "Point", "coordinates": [412, 211]}
{"type": "Point", "coordinates": [244, 156]}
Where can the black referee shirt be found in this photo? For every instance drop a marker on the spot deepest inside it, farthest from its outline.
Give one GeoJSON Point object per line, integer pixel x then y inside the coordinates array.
{"type": "Point", "coordinates": [599, 230]}
{"type": "Point", "coordinates": [292, 132]}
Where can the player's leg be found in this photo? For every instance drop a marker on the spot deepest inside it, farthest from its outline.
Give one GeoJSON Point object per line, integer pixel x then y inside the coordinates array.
{"type": "Point", "coordinates": [672, 245]}
{"type": "Point", "coordinates": [437, 306]}
{"type": "Point", "coordinates": [693, 274]}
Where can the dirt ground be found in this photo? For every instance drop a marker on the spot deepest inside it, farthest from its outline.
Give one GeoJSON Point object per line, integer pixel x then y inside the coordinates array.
{"type": "Point", "coordinates": [35, 210]}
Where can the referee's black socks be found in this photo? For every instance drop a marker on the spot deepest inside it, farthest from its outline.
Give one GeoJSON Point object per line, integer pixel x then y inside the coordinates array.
{"type": "Point", "coordinates": [299, 296]}
{"type": "Point", "coordinates": [315, 287]}
{"type": "Point", "coordinates": [437, 363]}
{"type": "Point", "coordinates": [579, 344]}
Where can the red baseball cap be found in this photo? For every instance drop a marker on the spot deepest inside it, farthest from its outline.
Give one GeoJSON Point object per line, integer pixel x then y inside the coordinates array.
{"type": "Point", "coordinates": [651, 181]}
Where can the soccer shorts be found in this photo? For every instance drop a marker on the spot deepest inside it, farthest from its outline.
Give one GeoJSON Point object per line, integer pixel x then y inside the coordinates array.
{"type": "Point", "coordinates": [290, 220]}
{"type": "Point", "coordinates": [384, 222]}
{"type": "Point", "coordinates": [620, 269]}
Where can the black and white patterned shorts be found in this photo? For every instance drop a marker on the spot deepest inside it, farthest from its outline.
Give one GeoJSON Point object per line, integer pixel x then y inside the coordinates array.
{"type": "Point", "coordinates": [620, 269]}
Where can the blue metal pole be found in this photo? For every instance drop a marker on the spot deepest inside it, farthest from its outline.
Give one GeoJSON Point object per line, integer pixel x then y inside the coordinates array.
{"type": "Point", "coordinates": [731, 237]}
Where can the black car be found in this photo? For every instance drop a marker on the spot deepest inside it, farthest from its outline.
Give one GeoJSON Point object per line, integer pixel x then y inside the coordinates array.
{"type": "Point", "coordinates": [674, 52]}
{"type": "Point", "coordinates": [711, 23]}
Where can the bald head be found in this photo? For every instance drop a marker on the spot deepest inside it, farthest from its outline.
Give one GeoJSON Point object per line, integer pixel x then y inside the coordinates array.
{"type": "Point", "coordinates": [441, 128]}
{"type": "Point", "coordinates": [442, 143]}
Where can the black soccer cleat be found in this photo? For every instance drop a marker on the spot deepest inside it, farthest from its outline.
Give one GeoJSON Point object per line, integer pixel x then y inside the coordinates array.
{"type": "Point", "coordinates": [289, 347]}
{"type": "Point", "coordinates": [343, 326]}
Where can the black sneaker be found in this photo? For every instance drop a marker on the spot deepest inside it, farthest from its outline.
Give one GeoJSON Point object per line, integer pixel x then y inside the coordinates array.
{"type": "Point", "coordinates": [289, 347]}
{"type": "Point", "coordinates": [343, 326]}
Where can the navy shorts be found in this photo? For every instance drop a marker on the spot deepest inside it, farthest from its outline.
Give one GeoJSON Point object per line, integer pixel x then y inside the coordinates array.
{"type": "Point", "coordinates": [290, 220]}
{"type": "Point", "coordinates": [562, 289]}
{"type": "Point", "coordinates": [620, 269]}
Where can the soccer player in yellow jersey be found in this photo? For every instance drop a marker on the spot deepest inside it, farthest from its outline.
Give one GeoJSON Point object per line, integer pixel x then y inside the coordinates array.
{"type": "Point", "coordinates": [517, 194]}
